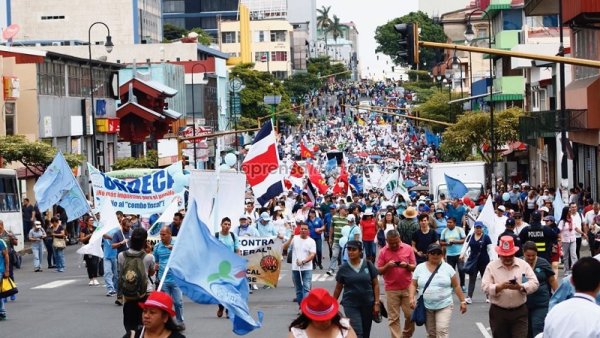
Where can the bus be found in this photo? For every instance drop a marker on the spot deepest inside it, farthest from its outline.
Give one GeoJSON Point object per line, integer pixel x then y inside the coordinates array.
{"type": "Point", "coordinates": [10, 205]}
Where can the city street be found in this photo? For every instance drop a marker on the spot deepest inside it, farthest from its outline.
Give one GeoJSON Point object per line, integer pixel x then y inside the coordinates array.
{"type": "Point", "coordinates": [51, 304]}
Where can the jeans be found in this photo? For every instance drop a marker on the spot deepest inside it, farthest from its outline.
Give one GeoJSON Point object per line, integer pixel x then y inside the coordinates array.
{"type": "Point", "coordinates": [302, 282]}
{"type": "Point", "coordinates": [399, 300]}
{"type": "Point", "coordinates": [59, 259]}
{"type": "Point", "coordinates": [175, 292]}
{"type": "Point", "coordinates": [438, 321]}
{"type": "Point", "coordinates": [2, 308]}
{"type": "Point", "coordinates": [536, 320]}
{"type": "Point", "coordinates": [110, 274]}
{"type": "Point", "coordinates": [456, 265]}
{"type": "Point", "coordinates": [319, 256]}
{"type": "Point", "coordinates": [49, 251]}
{"type": "Point", "coordinates": [370, 250]}
{"type": "Point", "coordinates": [38, 254]}
{"type": "Point", "coordinates": [333, 263]}
{"type": "Point", "coordinates": [569, 255]}
{"type": "Point", "coordinates": [361, 319]}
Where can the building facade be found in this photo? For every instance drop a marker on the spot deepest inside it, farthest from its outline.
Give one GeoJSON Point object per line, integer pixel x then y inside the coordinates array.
{"type": "Point", "coordinates": [48, 20]}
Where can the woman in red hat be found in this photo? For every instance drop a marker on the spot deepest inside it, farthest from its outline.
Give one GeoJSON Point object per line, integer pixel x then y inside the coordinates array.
{"type": "Point", "coordinates": [320, 317]}
{"type": "Point", "coordinates": [158, 316]}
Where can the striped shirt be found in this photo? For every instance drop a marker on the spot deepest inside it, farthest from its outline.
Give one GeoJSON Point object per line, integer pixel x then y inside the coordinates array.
{"type": "Point", "coordinates": [338, 223]}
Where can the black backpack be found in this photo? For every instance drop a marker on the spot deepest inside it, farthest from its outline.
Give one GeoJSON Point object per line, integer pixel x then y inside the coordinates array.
{"type": "Point", "coordinates": [231, 233]}
{"type": "Point", "coordinates": [133, 279]}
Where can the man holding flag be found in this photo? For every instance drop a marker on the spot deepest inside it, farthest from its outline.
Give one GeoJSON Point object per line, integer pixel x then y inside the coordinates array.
{"type": "Point", "coordinates": [162, 252]}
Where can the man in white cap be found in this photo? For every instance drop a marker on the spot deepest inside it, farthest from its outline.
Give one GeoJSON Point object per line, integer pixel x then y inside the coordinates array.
{"type": "Point", "coordinates": [500, 220]}
{"type": "Point", "coordinates": [245, 229]}
{"type": "Point", "coordinates": [265, 226]}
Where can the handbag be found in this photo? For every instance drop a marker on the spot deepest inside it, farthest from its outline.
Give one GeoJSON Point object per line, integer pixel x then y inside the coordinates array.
{"type": "Point", "coordinates": [59, 243]}
{"type": "Point", "coordinates": [8, 288]}
{"type": "Point", "coordinates": [419, 314]}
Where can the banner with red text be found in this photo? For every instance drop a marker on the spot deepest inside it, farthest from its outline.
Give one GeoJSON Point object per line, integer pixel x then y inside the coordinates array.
{"type": "Point", "coordinates": [264, 259]}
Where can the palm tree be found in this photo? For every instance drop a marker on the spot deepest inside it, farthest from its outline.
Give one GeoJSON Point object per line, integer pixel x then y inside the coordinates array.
{"type": "Point", "coordinates": [324, 21]}
{"type": "Point", "coordinates": [336, 28]}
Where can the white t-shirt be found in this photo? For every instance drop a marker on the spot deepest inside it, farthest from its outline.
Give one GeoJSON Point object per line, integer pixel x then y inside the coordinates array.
{"type": "Point", "coordinates": [577, 223]}
{"type": "Point", "coordinates": [301, 249]}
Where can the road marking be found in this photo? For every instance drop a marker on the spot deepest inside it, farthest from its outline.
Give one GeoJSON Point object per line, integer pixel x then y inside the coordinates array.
{"type": "Point", "coordinates": [483, 330]}
{"type": "Point", "coordinates": [55, 284]}
{"type": "Point", "coordinates": [321, 277]}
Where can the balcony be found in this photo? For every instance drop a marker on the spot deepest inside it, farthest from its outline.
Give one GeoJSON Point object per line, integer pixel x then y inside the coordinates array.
{"type": "Point", "coordinates": [580, 12]}
{"type": "Point", "coordinates": [548, 123]}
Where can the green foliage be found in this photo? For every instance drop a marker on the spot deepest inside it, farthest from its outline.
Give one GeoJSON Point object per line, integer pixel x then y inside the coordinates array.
{"type": "Point", "coordinates": [37, 154]}
{"type": "Point", "coordinates": [437, 108]}
{"type": "Point", "coordinates": [422, 75]}
{"type": "Point", "coordinates": [388, 40]}
{"type": "Point", "coordinates": [149, 161]}
{"type": "Point", "coordinates": [335, 28]}
{"type": "Point", "coordinates": [322, 66]}
{"type": "Point", "coordinates": [257, 86]}
{"type": "Point", "coordinates": [172, 32]}
{"type": "Point", "coordinates": [300, 84]}
{"type": "Point", "coordinates": [472, 130]}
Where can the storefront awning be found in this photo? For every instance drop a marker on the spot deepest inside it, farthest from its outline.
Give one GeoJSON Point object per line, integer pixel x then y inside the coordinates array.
{"type": "Point", "coordinates": [474, 97]}
{"type": "Point", "coordinates": [505, 97]}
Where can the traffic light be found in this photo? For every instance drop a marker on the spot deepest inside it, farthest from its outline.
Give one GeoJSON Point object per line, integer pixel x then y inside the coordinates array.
{"type": "Point", "coordinates": [409, 42]}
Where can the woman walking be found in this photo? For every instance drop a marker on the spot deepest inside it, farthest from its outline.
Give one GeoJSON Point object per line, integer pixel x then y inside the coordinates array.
{"type": "Point", "coordinates": [358, 279]}
{"type": "Point", "coordinates": [537, 302]}
{"type": "Point", "coordinates": [568, 239]}
{"type": "Point", "coordinates": [480, 244]}
{"type": "Point", "coordinates": [36, 237]}
{"type": "Point", "coordinates": [48, 244]}
{"type": "Point", "coordinates": [435, 280]}
{"type": "Point", "coordinates": [91, 261]}
{"type": "Point", "coordinates": [58, 243]}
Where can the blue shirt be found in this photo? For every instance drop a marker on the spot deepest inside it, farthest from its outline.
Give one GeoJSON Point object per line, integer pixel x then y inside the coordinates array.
{"type": "Point", "coordinates": [231, 243]}
{"type": "Point", "coordinates": [109, 252]}
{"type": "Point", "coordinates": [161, 256]}
{"type": "Point", "coordinates": [118, 237]}
{"type": "Point", "coordinates": [441, 225]}
{"type": "Point", "coordinates": [438, 294]}
{"type": "Point", "coordinates": [267, 230]}
{"type": "Point", "coordinates": [457, 213]}
{"type": "Point", "coordinates": [3, 246]}
{"type": "Point", "coordinates": [453, 235]}
{"type": "Point", "coordinates": [313, 225]}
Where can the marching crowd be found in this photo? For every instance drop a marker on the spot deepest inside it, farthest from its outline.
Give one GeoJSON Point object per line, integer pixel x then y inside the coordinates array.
{"type": "Point", "coordinates": [422, 250]}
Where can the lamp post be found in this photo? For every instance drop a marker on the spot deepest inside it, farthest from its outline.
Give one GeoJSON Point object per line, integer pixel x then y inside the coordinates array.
{"type": "Point", "coordinates": [457, 67]}
{"type": "Point", "coordinates": [194, 106]}
{"type": "Point", "coordinates": [108, 44]}
{"type": "Point", "coordinates": [469, 36]}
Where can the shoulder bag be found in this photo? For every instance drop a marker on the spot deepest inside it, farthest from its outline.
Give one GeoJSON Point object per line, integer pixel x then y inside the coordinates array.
{"type": "Point", "coordinates": [419, 314]}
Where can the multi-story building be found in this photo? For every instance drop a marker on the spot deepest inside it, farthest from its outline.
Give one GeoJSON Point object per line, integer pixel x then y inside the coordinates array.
{"type": "Point", "coordinates": [304, 12]}
{"type": "Point", "coordinates": [582, 108]}
{"type": "Point", "coordinates": [270, 46]}
{"type": "Point", "coordinates": [435, 8]}
{"type": "Point", "coordinates": [129, 21]}
{"type": "Point", "coordinates": [205, 14]}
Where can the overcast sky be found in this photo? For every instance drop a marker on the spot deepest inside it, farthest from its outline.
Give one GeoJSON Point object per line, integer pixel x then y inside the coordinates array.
{"type": "Point", "coordinates": [367, 15]}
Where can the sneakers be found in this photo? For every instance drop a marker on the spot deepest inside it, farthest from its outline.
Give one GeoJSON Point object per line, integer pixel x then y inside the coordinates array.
{"type": "Point", "coordinates": [330, 272]}
{"type": "Point", "coordinates": [111, 293]}
{"type": "Point", "coordinates": [464, 289]}
{"type": "Point", "coordinates": [254, 287]}
{"type": "Point", "coordinates": [119, 301]}
{"type": "Point", "coordinates": [37, 270]}
{"type": "Point", "coordinates": [181, 327]}
{"type": "Point", "coordinates": [91, 283]}
{"type": "Point", "coordinates": [220, 312]}
{"type": "Point", "coordinates": [487, 300]}
{"type": "Point", "coordinates": [96, 283]}
{"type": "Point", "coordinates": [468, 300]}
{"type": "Point", "coordinates": [2, 316]}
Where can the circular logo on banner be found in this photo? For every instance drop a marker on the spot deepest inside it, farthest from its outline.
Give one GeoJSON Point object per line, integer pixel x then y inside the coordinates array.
{"type": "Point", "coordinates": [269, 263]}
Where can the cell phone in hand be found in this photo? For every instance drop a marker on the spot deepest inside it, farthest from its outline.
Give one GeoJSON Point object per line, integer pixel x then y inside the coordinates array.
{"type": "Point", "coordinates": [513, 281]}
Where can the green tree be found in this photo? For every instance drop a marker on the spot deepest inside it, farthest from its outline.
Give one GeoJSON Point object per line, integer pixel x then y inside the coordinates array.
{"type": "Point", "coordinates": [149, 161]}
{"type": "Point", "coordinates": [324, 21]}
{"type": "Point", "coordinates": [388, 40]}
{"type": "Point", "coordinates": [257, 86]}
{"type": "Point", "coordinates": [335, 28]}
{"type": "Point", "coordinates": [472, 131]}
{"type": "Point", "coordinates": [35, 156]}
{"type": "Point", "coordinates": [172, 32]}
{"type": "Point", "coordinates": [322, 66]}
{"type": "Point", "coordinates": [300, 84]}
{"type": "Point", "coordinates": [437, 108]}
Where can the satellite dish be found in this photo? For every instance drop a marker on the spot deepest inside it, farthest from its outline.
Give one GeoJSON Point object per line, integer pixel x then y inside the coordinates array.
{"type": "Point", "coordinates": [10, 31]}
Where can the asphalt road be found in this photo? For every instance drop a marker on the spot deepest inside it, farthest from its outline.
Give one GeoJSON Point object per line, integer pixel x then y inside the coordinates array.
{"type": "Point", "coordinates": [51, 304]}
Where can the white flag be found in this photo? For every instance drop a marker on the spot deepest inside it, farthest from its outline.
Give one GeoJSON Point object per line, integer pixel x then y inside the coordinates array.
{"type": "Point", "coordinates": [390, 185]}
{"type": "Point", "coordinates": [165, 217]}
{"type": "Point", "coordinates": [108, 221]}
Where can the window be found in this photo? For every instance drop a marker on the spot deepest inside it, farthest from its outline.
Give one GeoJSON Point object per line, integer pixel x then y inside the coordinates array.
{"type": "Point", "coordinates": [75, 80]}
{"type": "Point", "coordinates": [9, 116]}
{"type": "Point", "coordinates": [585, 47]}
{"type": "Point", "coordinates": [53, 17]}
{"type": "Point", "coordinates": [512, 19]}
{"type": "Point", "coordinates": [278, 36]}
{"type": "Point", "coordinates": [228, 37]}
{"type": "Point", "coordinates": [279, 56]}
{"type": "Point", "coordinates": [173, 6]}
{"type": "Point", "coordinates": [9, 194]}
{"type": "Point", "coordinates": [279, 74]}
{"type": "Point", "coordinates": [261, 36]}
{"type": "Point", "coordinates": [51, 78]}
{"type": "Point", "coordinates": [261, 56]}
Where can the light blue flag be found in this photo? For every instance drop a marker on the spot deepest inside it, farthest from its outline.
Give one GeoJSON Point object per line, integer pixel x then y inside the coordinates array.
{"type": "Point", "coordinates": [331, 164]}
{"type": "Point", "coordinates": [58, 186]}
{"type": "Point", "coordinates": [558, 204]}
{"type": "Point", "coordinates": [209, 273]}
{"type": "Point", "coordinates": [456, 188]}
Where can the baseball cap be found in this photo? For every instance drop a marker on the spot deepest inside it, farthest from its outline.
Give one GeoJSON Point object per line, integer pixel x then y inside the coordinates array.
{"type": "Point", "coordinates": [549, 218]}
{"type": "Point", "coordinates": [501, 207]}
{"type": "Point", "coordinates": [434, 247]}
{"type": "Point", "coordinates": [350, 218]}
{"type": "Point", "coordinates": [478, 224]}
{"type": "Point", "coordinates": [510, 222]}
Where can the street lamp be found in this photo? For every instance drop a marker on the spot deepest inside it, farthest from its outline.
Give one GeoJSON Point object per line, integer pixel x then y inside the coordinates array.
{"type": "Point", "coordinates": [469, 36]}
{"type": "Point", "coordinates": [194, 106]}
{"type": "Point", "coordinates": [108, 44]}
{"type": "Point", "coordinates": [456, 67]}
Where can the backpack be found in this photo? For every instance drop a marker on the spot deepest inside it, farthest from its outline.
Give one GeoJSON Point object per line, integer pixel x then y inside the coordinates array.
{"type": "Point", "coordinates": [133, 279]}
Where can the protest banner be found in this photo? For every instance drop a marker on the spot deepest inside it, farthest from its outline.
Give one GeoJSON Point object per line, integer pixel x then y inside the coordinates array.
{"type": "Point", "coordinates": [264, 259]}
{"type": "Point", "coordinates": [145, 195]}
